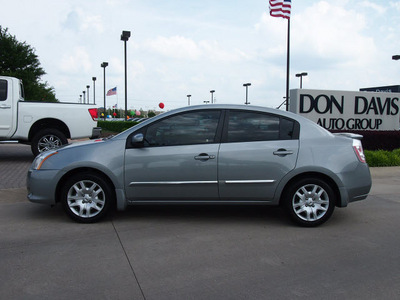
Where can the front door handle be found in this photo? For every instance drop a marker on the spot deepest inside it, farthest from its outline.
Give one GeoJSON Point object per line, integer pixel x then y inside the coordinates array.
{"type": "Point", "coordinates": [283, 152]}
{"type": "Point", "coordinates": [3, 106]}
{"type": "Point", "coordinates": [204, 157]}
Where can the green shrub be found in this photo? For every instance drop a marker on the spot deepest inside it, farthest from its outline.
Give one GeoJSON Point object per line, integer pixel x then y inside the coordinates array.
{"type": "Point", "coordinates": [115, 126]}
{"type": "Point", "coordinates": [382, 158]}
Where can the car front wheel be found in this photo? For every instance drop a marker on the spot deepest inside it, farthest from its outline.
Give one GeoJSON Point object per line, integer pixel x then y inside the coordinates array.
{"type": "Point", "coordinates": [86, 197]}
{"type": "Point", "coordinates": [310, 201]}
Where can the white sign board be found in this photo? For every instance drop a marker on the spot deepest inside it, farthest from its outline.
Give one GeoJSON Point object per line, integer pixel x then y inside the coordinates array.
{"type": "Point", "coordinates": [343, 110]}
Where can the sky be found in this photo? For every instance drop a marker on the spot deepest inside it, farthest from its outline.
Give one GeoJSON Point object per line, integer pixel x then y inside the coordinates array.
{"type": "Point", "coordinates": [187, 47]}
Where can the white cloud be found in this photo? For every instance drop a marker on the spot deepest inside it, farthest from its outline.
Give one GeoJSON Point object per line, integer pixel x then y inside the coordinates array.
{"type": "Point", "coordinates": [375, 7]}
{"type": "Point", "coordinates": [396, 5]}
{"type": "Point", "coordinates": [78, 60]}
{"type": "Point", "coordinates": [178, 47]}
{"type": "Point", "coordinates": [78, 20]}
{"type": "Point", "coordinates": [174, 47]}
{"type": "Point", "coordinates": [332, 32]}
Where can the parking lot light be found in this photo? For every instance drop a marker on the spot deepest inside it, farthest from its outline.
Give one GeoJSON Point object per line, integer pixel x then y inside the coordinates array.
{"type": "Point", "coordinates": [247, 86]}
{"type": "Point", "coordinates": [301, 78]}
{"type": "Point", "coordinates": [212, 96]}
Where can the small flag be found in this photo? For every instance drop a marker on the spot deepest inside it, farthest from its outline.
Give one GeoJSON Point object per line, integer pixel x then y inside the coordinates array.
{"type": "Point", "coordinates": [280, 8]}
{"type": "Point", "coordinates": [112, 91]}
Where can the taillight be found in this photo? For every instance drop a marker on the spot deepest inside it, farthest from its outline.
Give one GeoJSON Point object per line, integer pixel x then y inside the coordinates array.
{"type": "Point", "coordinates": [93, 113]}
{"type": "Point", "coordinates": [358, 149]}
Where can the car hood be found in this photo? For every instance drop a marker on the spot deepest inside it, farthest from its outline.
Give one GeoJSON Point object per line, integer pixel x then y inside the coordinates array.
{"type": "Point", "coordinates": [75, 144]}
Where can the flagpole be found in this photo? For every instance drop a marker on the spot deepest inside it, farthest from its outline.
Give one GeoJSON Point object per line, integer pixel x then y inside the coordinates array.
{"type": "Point", "coordinates": [287, 66]}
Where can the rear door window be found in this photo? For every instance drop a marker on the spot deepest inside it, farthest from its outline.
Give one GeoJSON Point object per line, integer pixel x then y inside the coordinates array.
{"type": "Point", "coordinates": [3, 90]}
{"type": "Point", "coordinates": [247, 126]}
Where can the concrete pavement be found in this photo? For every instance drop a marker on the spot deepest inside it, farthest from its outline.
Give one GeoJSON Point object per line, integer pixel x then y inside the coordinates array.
{"type": "Point", "coordinates": [197, 252]}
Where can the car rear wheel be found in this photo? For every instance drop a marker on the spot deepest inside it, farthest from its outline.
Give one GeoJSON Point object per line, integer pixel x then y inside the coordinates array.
{"type": "Point", "coordinates": [86, 197]}
{"type": "Point", "coordinates": [47, 139]}
{"type": "Point", "coordinates": [310, 202]}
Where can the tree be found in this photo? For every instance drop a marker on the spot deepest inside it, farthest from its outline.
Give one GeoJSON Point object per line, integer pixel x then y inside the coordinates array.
{"type": "Point", "coordinates": [18, 59]}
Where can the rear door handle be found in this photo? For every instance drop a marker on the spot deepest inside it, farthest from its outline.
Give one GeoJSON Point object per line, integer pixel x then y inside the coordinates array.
{"type": "Point", "coordinates": [204, 156]}
{"type": "Point", "coordinates": [283, 152]}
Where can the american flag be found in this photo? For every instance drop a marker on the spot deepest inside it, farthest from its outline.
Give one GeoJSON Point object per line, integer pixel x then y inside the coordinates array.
{"type": "Point", "coordinates": [280, 8]}
{"type": "Point", "coordinates": [112, 91]}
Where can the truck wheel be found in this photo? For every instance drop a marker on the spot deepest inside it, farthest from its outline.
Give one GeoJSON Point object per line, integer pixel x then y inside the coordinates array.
{"type": "Point", "coordinates": [86, 197]}
{"type": "Point", "coordinates": [47, 139]}
{"type": "Point", "coordinates": [310, 202]}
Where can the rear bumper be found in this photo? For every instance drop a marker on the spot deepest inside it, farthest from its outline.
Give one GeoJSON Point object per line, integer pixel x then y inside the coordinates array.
{"type": "Point", "coordinates": [96, 132]}
{"type": "Point", "coordinates": [357, 185]}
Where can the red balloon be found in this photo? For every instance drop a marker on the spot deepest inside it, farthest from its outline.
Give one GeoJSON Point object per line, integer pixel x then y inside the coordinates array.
{"type": "Point", "coordinates": [114, 114]}
{"type": "Point", "coordinates": [161, 105]}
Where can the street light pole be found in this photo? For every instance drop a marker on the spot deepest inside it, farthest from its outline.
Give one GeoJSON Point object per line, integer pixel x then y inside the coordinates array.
{"type": "Point", "coordinates": [125, 37]}
{"type": "Point", "coordinates": [189, 99]}
{"type": "Point", "coordinates": [301, 78]}
{"type": "Point", "coordinates": [84, 99]}
{"type": "Point", "coordinates": [247, 86]}
{"type": "Point", "coordinates": [212, 96]}
{"type": "Point", "coordinates": [104, 65]}
{"type": "Point", "coordinates": [87, 87]}
{"type": "Point", "coordinates": [94, 90]}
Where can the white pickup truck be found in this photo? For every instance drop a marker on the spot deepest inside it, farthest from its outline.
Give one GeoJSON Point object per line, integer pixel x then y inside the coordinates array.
{"type": "Point", "coordinates": [42, 125]}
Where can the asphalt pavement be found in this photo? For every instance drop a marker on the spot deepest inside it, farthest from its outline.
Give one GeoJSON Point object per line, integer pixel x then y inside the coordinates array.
{"type": "Point", "coordinates": [196, 252]}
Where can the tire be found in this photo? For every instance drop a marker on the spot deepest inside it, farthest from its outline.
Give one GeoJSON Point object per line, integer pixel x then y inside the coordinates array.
{"type": "Point", "coordinates": [86, 197]}
{"type": "Point", "coordinates": [47, 139]}
{"type": "Point", "coordinates": [310, 202]}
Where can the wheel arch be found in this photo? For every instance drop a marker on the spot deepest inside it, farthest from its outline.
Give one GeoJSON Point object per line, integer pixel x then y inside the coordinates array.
{"type": "Point", "coordinates": [314, 174]}
{"type": "Point", "coordinates": [48, 123]}
{"type": "Point", "coordinates": [70, 173]}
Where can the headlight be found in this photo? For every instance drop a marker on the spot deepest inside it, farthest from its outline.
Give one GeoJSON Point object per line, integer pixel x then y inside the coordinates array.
{"type": "Point", "coordinates": [41, 158]}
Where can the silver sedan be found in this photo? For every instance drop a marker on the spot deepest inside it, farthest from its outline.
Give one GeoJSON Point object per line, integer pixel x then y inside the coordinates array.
{"type": "Point", "coordinates": [209, 154]}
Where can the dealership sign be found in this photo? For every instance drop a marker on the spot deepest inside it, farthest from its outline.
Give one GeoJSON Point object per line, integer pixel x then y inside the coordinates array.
{"type": "Point", "coordinates": [342, 110]}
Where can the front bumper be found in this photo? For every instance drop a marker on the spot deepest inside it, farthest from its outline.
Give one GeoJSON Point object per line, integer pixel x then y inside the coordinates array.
{"type": "Point", "coordinates": [41, 186]}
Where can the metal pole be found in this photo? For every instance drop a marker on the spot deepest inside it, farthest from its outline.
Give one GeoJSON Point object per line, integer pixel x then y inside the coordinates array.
{"type": "Point", "coordinates": [104, 110]}
{"type": "Point", "coordinates": [126, 85]}
{"type": "Point", "coordinates": [247, 85]}
{"type": "Point", "coordinates": [125, 37]}
{"type": "Point", "coordinates": [94, 90]}
{"type": "Point", "coordinates": [104, 65]}
{"type": "Point", "coordinates": [287, 66]}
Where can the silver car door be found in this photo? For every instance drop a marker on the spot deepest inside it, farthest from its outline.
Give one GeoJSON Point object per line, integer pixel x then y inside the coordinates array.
{"type": "Point", "coordinates": [258, 150]}
{"type": "Point", "coordinates": [178, 160]}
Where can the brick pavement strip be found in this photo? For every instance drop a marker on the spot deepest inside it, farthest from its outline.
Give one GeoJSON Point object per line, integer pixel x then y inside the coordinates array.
{"type": "Point", "coordinates": [15, 160]}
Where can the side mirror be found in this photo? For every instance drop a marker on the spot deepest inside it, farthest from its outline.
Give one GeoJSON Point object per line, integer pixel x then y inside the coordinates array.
{"type": "Point", "coordinates": [138, 140]}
